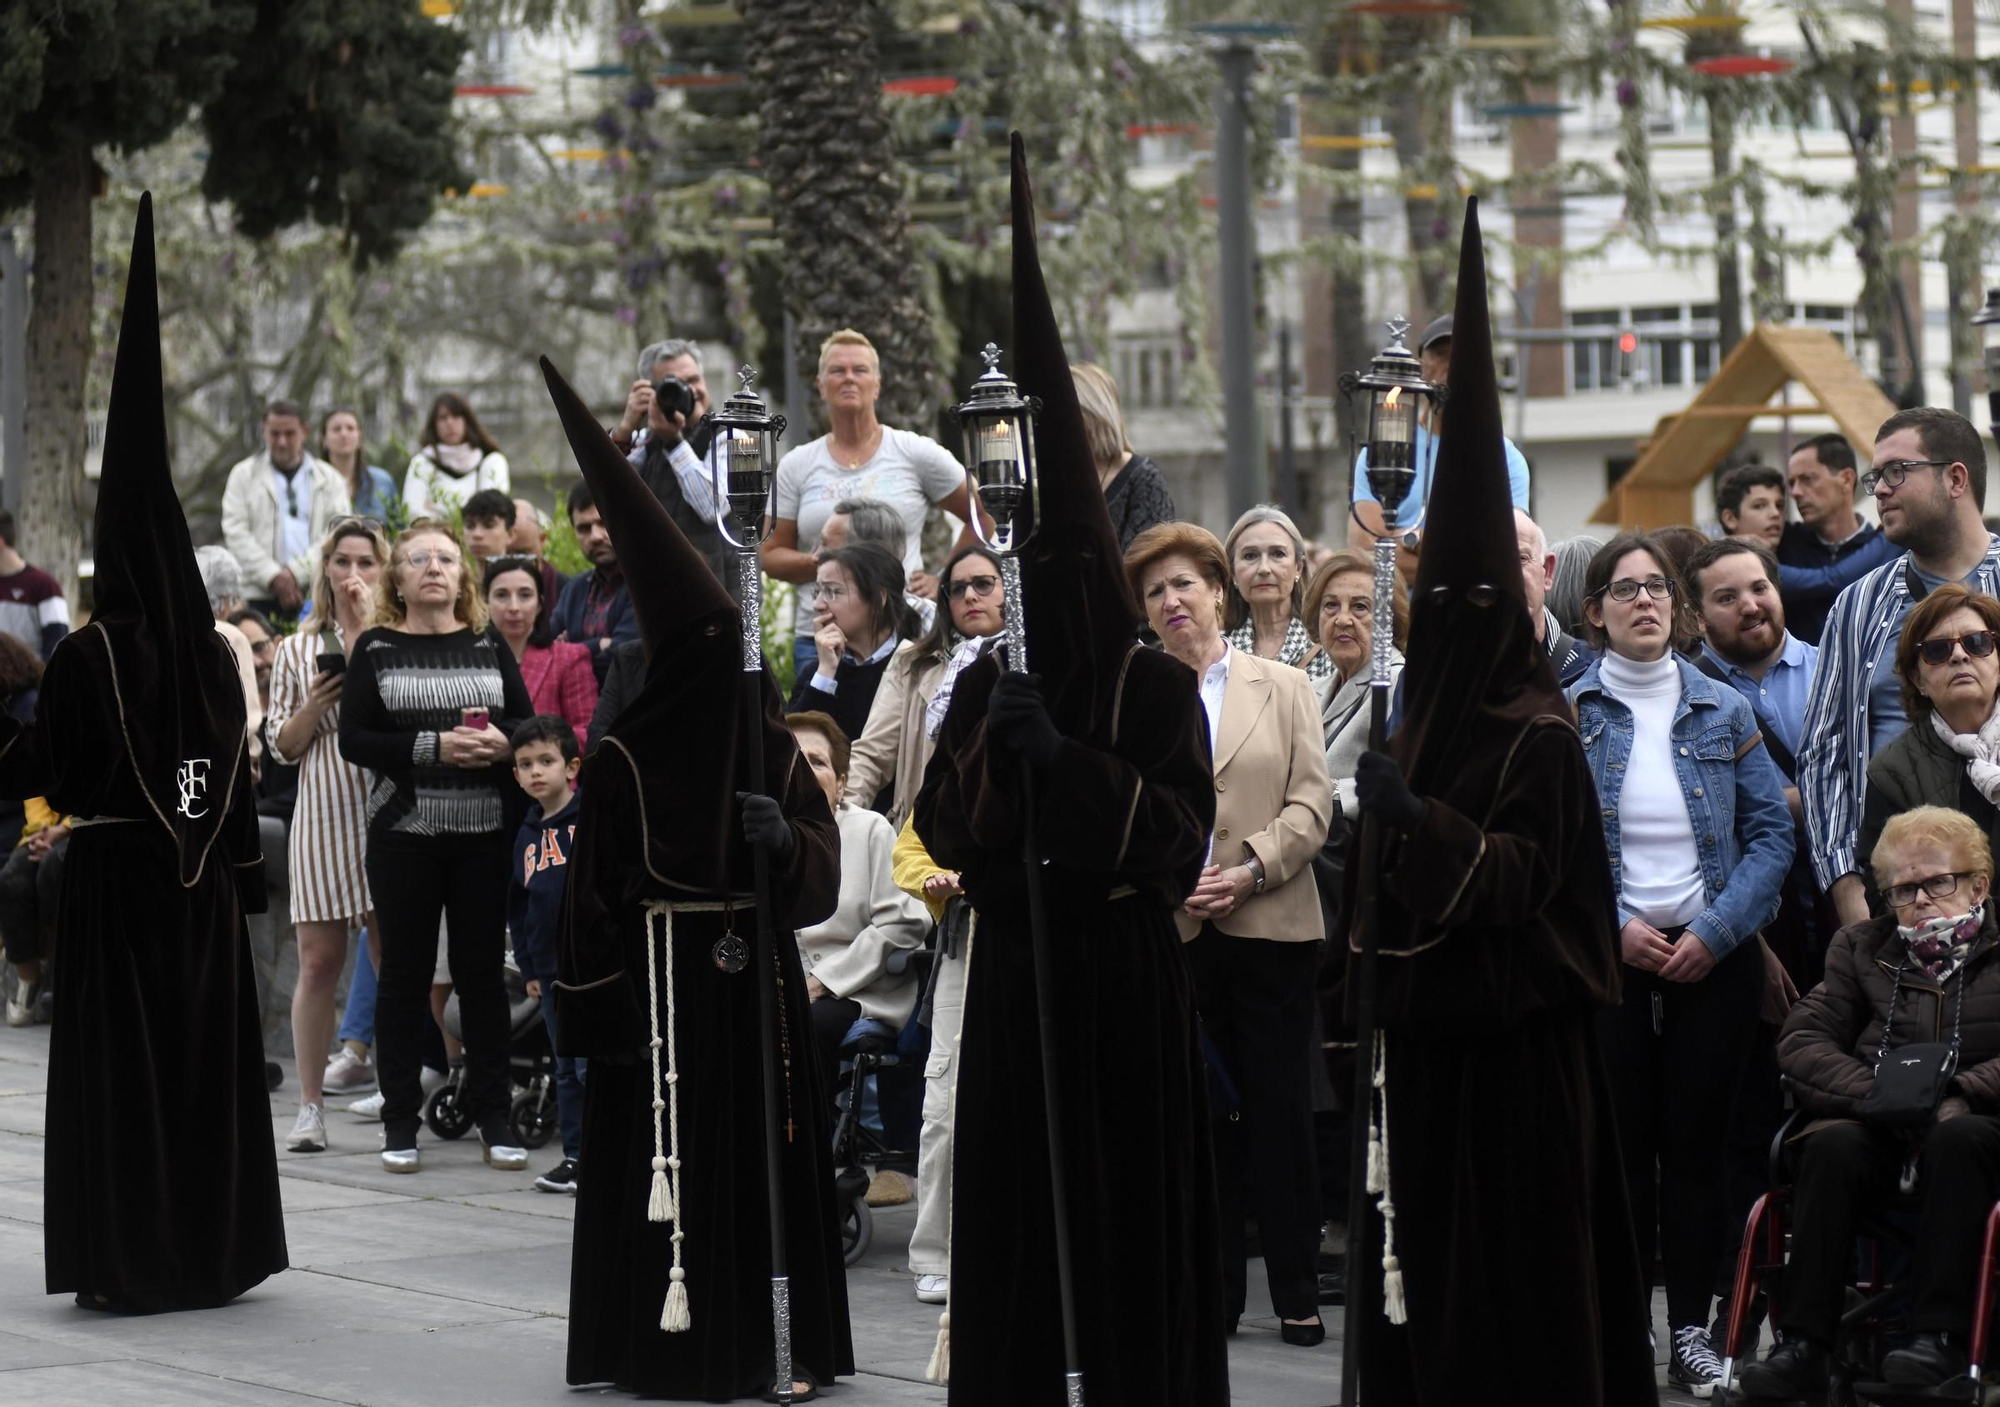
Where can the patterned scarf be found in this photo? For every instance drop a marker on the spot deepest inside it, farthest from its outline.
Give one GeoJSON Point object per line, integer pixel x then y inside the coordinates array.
{"type": "Point", "coordinates": [1980, 751]}
{"type": "Point", "coordinates": [1939, 946]}
{"type": "Point", "coordinates": [968, 651]}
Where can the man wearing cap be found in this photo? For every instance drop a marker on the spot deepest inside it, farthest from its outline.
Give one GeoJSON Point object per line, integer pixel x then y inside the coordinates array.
{"type": "Point", "coordinates": [1434, 353]}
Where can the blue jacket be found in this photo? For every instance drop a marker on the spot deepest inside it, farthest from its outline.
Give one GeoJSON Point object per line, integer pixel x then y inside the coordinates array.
{"type": "Point", "coordinates": [535, 889]}
{"type": "Point", "coordinates": [1734, 795]}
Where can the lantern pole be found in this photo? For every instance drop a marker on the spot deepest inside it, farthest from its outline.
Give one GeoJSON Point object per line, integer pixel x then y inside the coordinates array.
{"type": "Point", "coordinates": [1397, 393]}
{"type": "Point", "coordinates": [742, 470]}
{"type": "Point", "coordinates": [1000, 472]}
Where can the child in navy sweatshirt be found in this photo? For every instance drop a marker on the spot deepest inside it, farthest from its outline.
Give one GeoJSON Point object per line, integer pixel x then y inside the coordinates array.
{"type": "Point", "coordinates": [545, 764]}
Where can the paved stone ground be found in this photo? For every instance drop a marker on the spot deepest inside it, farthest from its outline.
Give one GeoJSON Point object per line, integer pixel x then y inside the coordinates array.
{"type": "Point", "coordinates": [451, 1287]}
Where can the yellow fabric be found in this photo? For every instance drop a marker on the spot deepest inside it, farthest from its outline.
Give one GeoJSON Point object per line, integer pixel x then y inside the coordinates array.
{"type": "Point", "coordinates": [910, 865]}
{"type": "Point", "coordinates": [40, 816]}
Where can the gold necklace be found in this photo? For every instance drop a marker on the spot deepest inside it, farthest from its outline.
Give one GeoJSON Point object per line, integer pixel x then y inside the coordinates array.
{"type": "Point", "coordinates": [873, 442]}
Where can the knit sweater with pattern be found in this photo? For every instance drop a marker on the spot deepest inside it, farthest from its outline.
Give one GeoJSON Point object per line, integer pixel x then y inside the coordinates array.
{"type": "Point", "coordinates": [400, 693]}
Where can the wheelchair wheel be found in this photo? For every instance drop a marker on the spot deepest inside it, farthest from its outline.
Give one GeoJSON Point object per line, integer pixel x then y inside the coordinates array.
{"type": "Point", "coordinates": [442, 1114]}
{"type": "Point", "coordinates": [857, 1230]}
{"type": "Point", "coordinates": [532, 1118]}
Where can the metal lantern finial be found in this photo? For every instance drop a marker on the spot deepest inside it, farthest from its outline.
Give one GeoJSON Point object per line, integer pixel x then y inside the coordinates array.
{"type": "Point", "coordinates": [999, 426]}
{"type": "Point", "coordinates": [743, 464]}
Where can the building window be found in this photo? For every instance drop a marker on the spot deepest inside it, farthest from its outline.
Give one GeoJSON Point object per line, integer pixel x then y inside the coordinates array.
{"type": "Point", "coordinates": [1593, 362]}
{"type": "Point", "coordinates": [1148, 372]}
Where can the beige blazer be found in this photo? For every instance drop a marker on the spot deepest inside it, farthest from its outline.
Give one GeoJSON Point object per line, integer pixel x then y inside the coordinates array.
{"type": "Point", "coordinates": [893, 743]}
{"type": "Point", "coordinates": [1272, 799]}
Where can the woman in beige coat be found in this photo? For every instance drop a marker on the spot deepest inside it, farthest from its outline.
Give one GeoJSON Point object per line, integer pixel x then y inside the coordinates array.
{"type": "Point", "coordinates": [1252, 927]}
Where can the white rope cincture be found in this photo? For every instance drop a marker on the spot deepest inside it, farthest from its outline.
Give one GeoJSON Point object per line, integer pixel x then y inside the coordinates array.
{"type": "Point", "coordinates": [1394, 1306]}
{"type": "Point", "coordinates": [663, 1203]}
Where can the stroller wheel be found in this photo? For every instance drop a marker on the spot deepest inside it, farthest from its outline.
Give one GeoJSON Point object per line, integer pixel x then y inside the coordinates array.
{"type": "Point", "coordinates": [442, 1113]}
{"type": "Point", "coordinates": [532, 1118]}
{"type": "Point", "coordinates": [857, 1230]}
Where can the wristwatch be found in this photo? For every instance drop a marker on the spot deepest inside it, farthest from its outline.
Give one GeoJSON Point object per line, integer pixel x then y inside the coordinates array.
{"type": "Point", "coordinates": [1256, 868]}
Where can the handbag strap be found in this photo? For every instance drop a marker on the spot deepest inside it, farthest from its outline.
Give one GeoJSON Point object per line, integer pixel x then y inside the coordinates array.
{"type": "Point", "coordinates": [1895, 995]}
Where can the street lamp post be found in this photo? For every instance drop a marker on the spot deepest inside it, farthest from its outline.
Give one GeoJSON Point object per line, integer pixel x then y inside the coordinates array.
{"type": "Point", "coordinates": [1397, 393]}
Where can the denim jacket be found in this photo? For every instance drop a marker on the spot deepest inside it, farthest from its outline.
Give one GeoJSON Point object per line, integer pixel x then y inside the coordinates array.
{"type": "Point", "coordinates": [1735, 799]}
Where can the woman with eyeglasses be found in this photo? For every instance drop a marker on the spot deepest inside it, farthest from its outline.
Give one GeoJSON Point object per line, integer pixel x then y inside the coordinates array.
{"type": "Point", "coordinates": [1700, 840]}
{"type": "Point", "coordinates": [557, 674]}
{"type": "Point", "coordinates": [895, 744]}
{"type": "Point", "coordinates": [427, 705]}
{"type": "Point", "coordinates": [1922, 973]}
{"type": "Point", "coordinates": [1950, 753]}
{"type": "Point", "coordinates": [859, 618]}
{"type": "Point", "coordinates": [329, 831]}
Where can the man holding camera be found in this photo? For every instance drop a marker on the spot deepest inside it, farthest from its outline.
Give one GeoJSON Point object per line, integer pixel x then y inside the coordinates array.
{"type": "Point", "coordinates": [664, 434]}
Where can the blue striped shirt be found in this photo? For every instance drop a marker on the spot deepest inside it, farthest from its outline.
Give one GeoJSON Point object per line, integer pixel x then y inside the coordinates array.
{"type": "Point", "coordinates": [1833, 765]}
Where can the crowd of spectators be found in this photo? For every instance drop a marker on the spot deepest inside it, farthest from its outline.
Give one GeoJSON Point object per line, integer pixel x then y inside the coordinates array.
{"type": "Point", "coordinates": [1793, 725]}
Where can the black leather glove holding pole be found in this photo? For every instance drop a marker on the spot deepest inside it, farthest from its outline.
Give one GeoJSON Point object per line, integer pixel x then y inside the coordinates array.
{"type": "Point", "coordinates": [1018, 718]}
{"type": "Point", "coordinates": [1382, 792]}
{"type": "Point", "coordinates": [765, 827]}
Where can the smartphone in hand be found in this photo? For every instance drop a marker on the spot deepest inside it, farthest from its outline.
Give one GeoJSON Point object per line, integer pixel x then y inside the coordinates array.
{"type": "Point", "coordinates": [332, 662]}
{"type": "Point", "coordinates": [474, 718]}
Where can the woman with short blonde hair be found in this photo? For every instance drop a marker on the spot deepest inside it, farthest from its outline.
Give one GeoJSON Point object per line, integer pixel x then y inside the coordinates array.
{"type": "Point", "coordinates": [1265, 613]}
{"type": "Point", "coordinates": [1134, 491]}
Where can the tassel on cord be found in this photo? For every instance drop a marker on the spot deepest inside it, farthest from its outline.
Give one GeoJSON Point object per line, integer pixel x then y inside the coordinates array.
{"type": "Point", "coordinates": [663, 1203]}
{"type": "Point", "coordinates": [939, 1370]}
{"type": "Point", "coordinates": [1394, 1306]}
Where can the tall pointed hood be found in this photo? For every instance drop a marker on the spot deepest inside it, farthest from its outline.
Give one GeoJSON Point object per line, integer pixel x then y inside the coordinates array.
{"type": "Point", "coordinates": [178, 692]}
{"type": "Point", "coordinates": [1080, 614]}
{"type": "Point", "coordinates": [1474, 671]}
{"type": "Point", "coordinates": [694, 677]}
{"type": "Point", "coordinates": [672, 587]}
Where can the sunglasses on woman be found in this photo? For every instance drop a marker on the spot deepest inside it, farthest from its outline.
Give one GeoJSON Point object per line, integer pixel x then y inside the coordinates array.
{"type": "Point", "coordinates": [973, 586]}
{"type": "Point", "coordinates": [1937, 886]}
{"type": "Point", "coordinates": [1978, 645]}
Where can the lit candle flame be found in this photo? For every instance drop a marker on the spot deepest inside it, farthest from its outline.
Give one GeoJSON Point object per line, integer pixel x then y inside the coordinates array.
{"type": "Point", "coordinates": [1395, 394]}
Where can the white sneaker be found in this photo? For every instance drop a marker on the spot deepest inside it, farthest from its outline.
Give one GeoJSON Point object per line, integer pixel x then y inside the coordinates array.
{"type": "Point", "coordinates": [369, 1108]}
{"type": "Point", "coordinates": [348, 1073]}
{"type": "Point", "coordinates": [21, 1006]}
{"type": "Point", "coordinates": [503, 1155]}
{"type": "Point", "coordinates": [309, 1133]}
{"type": "Point", "coordinates": [933, 1289]}
{"type": "Point", "coordinates": [401, 1160]}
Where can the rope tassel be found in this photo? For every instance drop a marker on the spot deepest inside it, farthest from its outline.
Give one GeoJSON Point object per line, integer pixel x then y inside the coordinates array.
{"type": "Point", "coordinates": [939, 1370]}
{"type": "Point", "coordinates": [1394, 1306]}
{"type": "Point", "coordinates": [663, 1202]}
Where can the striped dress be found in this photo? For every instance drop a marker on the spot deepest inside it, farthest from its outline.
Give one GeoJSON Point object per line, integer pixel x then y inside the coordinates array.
{"type": "Point", "coordinates": [329, 831]}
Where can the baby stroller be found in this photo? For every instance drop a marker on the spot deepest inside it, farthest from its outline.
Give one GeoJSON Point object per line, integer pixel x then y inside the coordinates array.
{"type": "Point", "coordinates": [531, 1061]}
{"type": "Point", "coordinates": [859, 1143]}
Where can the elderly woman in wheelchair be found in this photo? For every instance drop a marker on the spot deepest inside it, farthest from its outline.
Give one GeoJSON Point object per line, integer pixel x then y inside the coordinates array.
{"type": "Point", "coordinates": [1895, 1060]}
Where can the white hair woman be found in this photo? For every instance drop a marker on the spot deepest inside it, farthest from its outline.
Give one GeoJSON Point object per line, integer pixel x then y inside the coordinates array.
{"type": "Point", "coordinates": [1264, 612]}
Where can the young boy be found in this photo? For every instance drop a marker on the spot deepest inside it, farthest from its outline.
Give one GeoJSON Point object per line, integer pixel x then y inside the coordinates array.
{"type": "Point", "coordinates": [545, 764]}
{"type": "Point", "coordinates": [489, 523]}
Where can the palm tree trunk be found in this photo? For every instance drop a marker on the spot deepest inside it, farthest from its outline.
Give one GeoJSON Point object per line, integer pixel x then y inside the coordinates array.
{"type": "Point", "coordinates": [837, 196]}
{"type": "Point", "coordinates": [56, 436]}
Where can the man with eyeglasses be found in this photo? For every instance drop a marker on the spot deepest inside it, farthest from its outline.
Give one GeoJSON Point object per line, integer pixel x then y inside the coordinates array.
{"type": "Point", "coordinates": [276, 509]}
{"type": "Point", "coordinates": [1929, 483]}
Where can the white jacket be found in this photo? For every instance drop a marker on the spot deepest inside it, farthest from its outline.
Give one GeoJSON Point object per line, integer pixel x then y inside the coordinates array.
{"type": "Point", "coordinates": [431, 492]}
{"type": "Point", "coordinates": [849, 953]}
{"type": "Point", "coordinates": [253, 527]}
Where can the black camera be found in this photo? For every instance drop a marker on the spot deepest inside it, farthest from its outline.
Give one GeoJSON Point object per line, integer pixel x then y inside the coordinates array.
{"type": "Point", "coordinates": [674, 397]}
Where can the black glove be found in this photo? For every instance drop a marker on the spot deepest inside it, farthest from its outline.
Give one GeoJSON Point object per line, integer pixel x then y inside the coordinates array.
{"type": "Point", "coordinates": [1383, 794]}
{"type": "Point", "coordinates": [764, 825]}
{"type": "Point", "coordinates": [1017, 716]}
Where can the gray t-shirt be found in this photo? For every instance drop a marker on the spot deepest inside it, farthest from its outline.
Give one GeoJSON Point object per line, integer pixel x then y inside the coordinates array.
{"type": "Point", "coordinates": [909, 472]}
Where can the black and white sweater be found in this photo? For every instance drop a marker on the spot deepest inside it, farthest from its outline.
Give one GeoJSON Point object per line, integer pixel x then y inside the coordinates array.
{"type": "Point", "coordinates": [401, 691]}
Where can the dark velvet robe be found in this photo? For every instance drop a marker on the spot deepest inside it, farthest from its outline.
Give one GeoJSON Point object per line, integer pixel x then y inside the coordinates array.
{"type": "Point", "coordinates": [1511, 1212]}
{"type": "Point", "coordinates": [627, 854]}
{"type": "Point", "coordinates": [161, 1187]}
{"type": "Point", "coordinates": [1129, 818]}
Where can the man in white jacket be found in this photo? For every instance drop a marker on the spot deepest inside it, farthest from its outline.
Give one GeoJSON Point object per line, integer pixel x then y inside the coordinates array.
{"type": "Point", "coordinates": [277, 508]}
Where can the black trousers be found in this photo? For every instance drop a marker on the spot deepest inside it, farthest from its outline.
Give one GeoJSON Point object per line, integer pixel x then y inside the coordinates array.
{"type": "Point", "coordinates": [414, 880]}
{"type": "Point", "coordinates": [1845, 1169]}
{"type": "Point", "coordinates": [30, 895]}
{"type": "Point", "coordinates": [1255, 997]}
{"type": "Point", "coordinates": [1675, 1053]}
{"type": "Point", "coordinates": [899, 1091]}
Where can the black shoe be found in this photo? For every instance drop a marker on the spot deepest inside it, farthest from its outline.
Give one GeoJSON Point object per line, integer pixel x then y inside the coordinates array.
{"type": "Point", "coordinates": [274, 1075]}
{"type": "Point", "coordinates": [560, 1178]}
{"type": "Point", "coordinates": [1303, 1335]}
{"type": "Point", "coordinates": [1795, 1368]}
{"type": "Point", "coordinates": [1929, 1360]}
{"type": "Point", "coordinates": [1753, 1327]}
{"type": "Point", "coordinates": [1333, 1287]}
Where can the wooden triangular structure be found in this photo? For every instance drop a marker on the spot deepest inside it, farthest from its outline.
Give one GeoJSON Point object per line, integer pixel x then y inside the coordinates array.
{"type": "Point", "coordinates": [1658, 491]}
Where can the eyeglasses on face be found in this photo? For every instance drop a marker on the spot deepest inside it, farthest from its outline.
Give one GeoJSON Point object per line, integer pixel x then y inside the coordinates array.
{"type": "Point", "coordinates": [423, 557]}
{"type": "Point", "coordinates": [1977, 645]}
{"type": "Point", "coordinates": [1901, 896]}
{"type": "Point", "coordinates": [1892, 473]}
{"type": "Point", "coordinates": [973, 586]}
{"type": "Point", "coordinates": [1626, 589]}
{"type": "Point", "coordinates": [834, 592]}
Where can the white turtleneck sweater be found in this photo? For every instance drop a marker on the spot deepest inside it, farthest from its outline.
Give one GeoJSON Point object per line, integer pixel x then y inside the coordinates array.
{"type": "Point", "coordinates": [1661, 870]}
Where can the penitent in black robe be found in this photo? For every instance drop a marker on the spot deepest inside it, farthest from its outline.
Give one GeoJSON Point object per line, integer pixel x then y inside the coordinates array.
{"type": "Point", "coordinates": [1511, 1213]}
{"type": "Point", "coordinates": [161, 1187]}
{"type": "Point", "coordinates": [619, 1272]}
{"type": "Point", "coordinates": [1124, 822]}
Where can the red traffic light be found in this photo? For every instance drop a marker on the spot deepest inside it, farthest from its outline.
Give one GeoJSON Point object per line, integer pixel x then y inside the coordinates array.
{"type": "Point", "coordinates": [1628, 342]}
